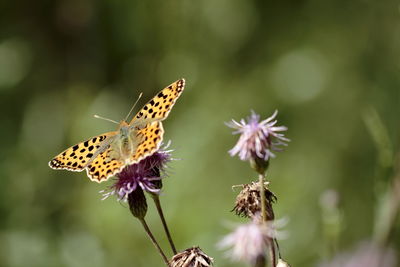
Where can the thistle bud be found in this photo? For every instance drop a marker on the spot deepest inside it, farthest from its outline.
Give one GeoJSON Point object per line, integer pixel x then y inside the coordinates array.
{"type": "Point", "coordinates": [137, 203]}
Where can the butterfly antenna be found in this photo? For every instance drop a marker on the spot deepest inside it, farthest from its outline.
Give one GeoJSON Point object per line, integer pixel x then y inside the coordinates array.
{"type": "Point", "coordinates": [130, 111]}
{"type": "Point", "coordinates": [106, 119]}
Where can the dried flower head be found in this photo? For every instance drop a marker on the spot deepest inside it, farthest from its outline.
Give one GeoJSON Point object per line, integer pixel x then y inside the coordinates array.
{"type": "Point", "coordinates": [258, 139]}
{"type": "Point", "coordinates": [191, 257]}
{"type": "Point", "coordinates": [146, 174]}
{"type": "Point", "coordinates": [248, 201]}
{"type": "Point", "coordinates": [248, 242]}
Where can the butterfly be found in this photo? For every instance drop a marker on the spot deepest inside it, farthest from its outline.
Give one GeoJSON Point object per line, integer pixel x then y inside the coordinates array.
{"type": "Point", "coordinates": [107, 154]}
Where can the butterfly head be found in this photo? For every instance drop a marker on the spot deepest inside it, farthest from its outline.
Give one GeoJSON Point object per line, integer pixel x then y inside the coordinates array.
{"type": "Point", "coordinates": [123, 127]}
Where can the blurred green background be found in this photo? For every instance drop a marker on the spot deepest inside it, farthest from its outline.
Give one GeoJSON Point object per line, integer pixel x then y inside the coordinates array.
{"type": "Point", "coordinates": [331, 68]}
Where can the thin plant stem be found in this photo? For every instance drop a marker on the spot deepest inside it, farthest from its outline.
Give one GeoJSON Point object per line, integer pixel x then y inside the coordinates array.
{"type": "Point", "coordinates": [153, 240]}
{"type": "Point", "coordinates": [263, 200]}
{"type": "Point", "coordinates": [156, 199]}
{"type": "Point", "coordinates": [271, 246]}
{"type": "Point", "coordinates": [277, 248]}
{"type": "Point", "coordinates": [272, 253]}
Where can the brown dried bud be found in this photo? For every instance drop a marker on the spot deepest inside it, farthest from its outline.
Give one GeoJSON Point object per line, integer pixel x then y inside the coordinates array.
{"type": "Point", "coordinates": [191, 257]}
{"type": "Point", "coordinates": [282, 263]}
{"type": "Point", "coordinates": [248, 201]}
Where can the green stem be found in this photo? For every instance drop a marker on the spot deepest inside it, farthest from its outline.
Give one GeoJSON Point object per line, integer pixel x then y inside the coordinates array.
{"type": "Point", "coordinates": [271, 245]}
{"type": "Point", "coordinates": [277, 248]}
{"type": "Point", "coordinates": [164, 223]}
{"type": "Point", "coordinates": [153, 240]}
{"type": "Point", "coordinates": [262, 197]}
{"type": "Point", "coordinates": [272, 254]}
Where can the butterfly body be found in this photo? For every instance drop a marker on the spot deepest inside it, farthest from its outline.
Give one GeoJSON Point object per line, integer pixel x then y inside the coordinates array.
{"type": "Point", "coordinates": [105, 155]}
{"type": "Point", "coordinates": [125, 142]}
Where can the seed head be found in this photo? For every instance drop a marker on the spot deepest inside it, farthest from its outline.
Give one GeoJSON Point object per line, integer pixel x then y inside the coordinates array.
{"type": "Point", "coordinates": [191, 257]}
{"type": "Point", "coordinates": [248, 201]}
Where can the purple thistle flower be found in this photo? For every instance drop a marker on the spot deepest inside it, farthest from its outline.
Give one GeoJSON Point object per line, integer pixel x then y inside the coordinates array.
{"type": "Point", "coordinates": [145, 174]}
{"type": "Point", "coordinates": [249, 241]}
{"type": "Point", "coordinates": [257, 138]}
